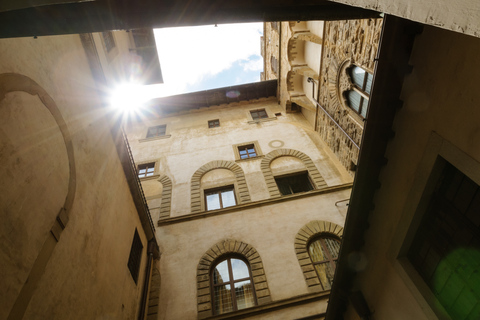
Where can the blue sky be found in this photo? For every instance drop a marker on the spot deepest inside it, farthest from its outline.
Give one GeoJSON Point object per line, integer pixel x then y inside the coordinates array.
{"type": "Point", "coordinates": [200, 58]}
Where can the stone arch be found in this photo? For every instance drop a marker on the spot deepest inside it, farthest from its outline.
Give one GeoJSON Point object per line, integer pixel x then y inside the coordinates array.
{"type": "Point", "coordinates": [217, 251]}
{"type": "Point", "coordinates": [317, 178]}
{"type": "Point", "coordinates": [166, 196]}
{"type": "Point", "coordinates": [309, 231]}
{"type": "Point", "coordinates": [11, 82]}
{"type": "Point", "coordinates": [307, 36]}
{"type": "Point", "coordinates": [195, 187]}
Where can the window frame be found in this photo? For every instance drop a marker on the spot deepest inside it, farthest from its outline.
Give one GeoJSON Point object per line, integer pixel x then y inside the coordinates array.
{"type": "Point", "coordinates": [135, 256]}
{"type": "Point", "coordinates": [437, 150]}
{"type": "Point", "coordinates": [109, 42]}
{"type": "Point", "coordinates": [156, 135]}
{"type": "Point", "coordinates": [294, 174]}
{"type": "Point", "coordinates": [219, 190]}
{"type": "Point", "coordinates": [256, 147]}
{"type": "Point", "coordinates": [213, 123]}
{"type": "Point", "coordinates": [257, 111]}
{"type": "Point", "coordinates": [360, 90]}
{"type": "Point", "coordinates": [231, 282]}
{"type": "Point", "coordinates": [330, 261]}
{"type": "Point", "coordinates": [147, 166]}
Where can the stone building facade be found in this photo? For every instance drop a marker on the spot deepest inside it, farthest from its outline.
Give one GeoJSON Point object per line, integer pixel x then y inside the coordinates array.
{"type": "Point", "coordinates": [346, 44]}
{"type": "Point", "coordinates": [201, 151]}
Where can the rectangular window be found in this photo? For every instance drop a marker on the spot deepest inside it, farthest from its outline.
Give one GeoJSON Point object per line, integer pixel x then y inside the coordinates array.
{"type": "Point", "coordinates": [146, 170]}
{"type": "Point", "coordinates": [294, 183]}
{"type": "Point", "coordinates": [258, 114]}
{"type": "Point", "coordinates": [446, 248]}
{"type": "Point", "coordinates": [220, 198]}
{"type": "Point", "coordinates": [247, 151]}
{"type": "Point", "coordinates": [157, 131]}
{"type": "Point", "coordinates": [108, 40]}
{"type": "Point", "coordinates": [214, 123]}
{"type": "Point", "coordinates": [135, 256]}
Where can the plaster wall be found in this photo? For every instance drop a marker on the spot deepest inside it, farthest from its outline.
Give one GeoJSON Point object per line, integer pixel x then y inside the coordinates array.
{"type": "Point", "coordinates": [440, 96]}
{"type": "Point", "coordinates": [191, 144]}
{"type": "Point", "coordinates": [270, 229]}
{"type": "Point", "coordinates": [86, 275]}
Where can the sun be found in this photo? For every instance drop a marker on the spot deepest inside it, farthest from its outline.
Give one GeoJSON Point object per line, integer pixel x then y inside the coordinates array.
{"type": "Point", "coordinates": [128, 97]}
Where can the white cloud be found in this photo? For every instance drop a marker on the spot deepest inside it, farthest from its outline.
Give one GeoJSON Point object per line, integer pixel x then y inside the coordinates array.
{"type": "Point", "coordinates": [188, 54]}
{"type": "Point", "coordinates": [253, 65]}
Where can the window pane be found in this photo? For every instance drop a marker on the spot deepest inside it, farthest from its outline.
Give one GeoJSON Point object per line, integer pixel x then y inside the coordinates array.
{"type": "Point", "coordinates": [149, 174]}
{"type": "Point", "coordinates": [239, 269]}
{"type": "Point", "coordinates": [244, 294]}
{"type": "Point", "coordinates": [325, 273]}
{"type": "Point", "coordinates": [354, 100]}
{"type": "Point", "coordinates": [228, 198]}
{"type": "Point", "coordinates": [364, 107]}
{"type": "Point", "coordinates": [316, 251]}
{"type": "Point", "coordinates": [358, 77]}
{"type": "Point", "coordinates": [213, 201]}
{"type": "Point", "coordinates": [220, 273]}
{"type": "Point", "coordinates": [150, 169]}
{"type": "Point", "coordinates": [333, 247]}
{"type": "Point", "coordinates": [223, 299]}
{"type": "Point", "coordinates": [142, 170]}
{"type": "Point", "coordinates": [243, 151]}
{"type": "Point", "coordinates": [368, 85]}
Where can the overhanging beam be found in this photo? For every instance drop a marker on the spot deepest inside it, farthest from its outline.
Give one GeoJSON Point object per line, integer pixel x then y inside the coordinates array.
{"type": "Point", "coordinates": [95, 16]}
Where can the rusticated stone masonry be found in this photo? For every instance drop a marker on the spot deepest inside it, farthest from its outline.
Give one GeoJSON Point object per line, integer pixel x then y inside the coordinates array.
{"type": "Point", "coordinates": [352, 42]}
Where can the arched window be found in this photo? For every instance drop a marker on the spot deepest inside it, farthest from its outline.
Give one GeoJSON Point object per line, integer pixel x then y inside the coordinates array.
{"type": "Point", "coordinates": [358, 97]}
{"type": "Point", "coordinates": [324, 254]}
{"type": "Point", "coordinates": [232, 285]}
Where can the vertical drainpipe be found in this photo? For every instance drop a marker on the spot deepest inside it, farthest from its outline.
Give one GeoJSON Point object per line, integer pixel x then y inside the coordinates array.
{"type": "Point", "coordinates": [146, 282]}
{"type": "Point", "coordinates": [279, 61]}
{"type": "Point", "coordinates": [320, 77]}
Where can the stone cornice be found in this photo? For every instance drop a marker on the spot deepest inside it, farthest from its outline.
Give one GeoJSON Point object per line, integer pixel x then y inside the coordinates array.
{"type": "Point", "coordinates": [250, 205]}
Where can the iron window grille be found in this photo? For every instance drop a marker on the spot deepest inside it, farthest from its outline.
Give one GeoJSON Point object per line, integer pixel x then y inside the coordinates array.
{"type": "Point", "coordinates": [258, 114]}
{"type": "Point", "coordinates": [146, 170]}
{"type": "Point", "coordinates": [295, 183]}
{"type": "Point", "coordinates": [324, 254]}
{"type": "Point", "coordinates": [108, 40]}
{"type": "Point", "coordinates": [135, 256]}
{"type": "Point", "coordinates": [157, 131]}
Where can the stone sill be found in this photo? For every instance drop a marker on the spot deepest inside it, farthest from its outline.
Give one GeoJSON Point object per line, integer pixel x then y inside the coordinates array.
{"type": "Point", "coordinates": [272, 306]}
{"type": "Point", "coordinates": [240, 207]}
{"type": "Point", "coordinates": [155, 176]}
{"type": "Point", "coordinates": [155, 138]}
{"type": "Point", "coordinates": [262, 120]}
{"type": "Point", "coordinates": [248, 159]}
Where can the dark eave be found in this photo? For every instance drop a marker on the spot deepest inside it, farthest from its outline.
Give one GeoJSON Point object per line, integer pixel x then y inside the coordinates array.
{"type": "Point", "coordinates": [100, 15]}
{"type": "Point", "coordinates": [208, 98]}
{"type": "Point", "coordinates": [391, 66]}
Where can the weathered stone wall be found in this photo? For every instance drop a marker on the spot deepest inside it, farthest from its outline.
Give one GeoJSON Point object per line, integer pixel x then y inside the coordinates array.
{"type": "Point", "coordinates": [346, 42]}
{"type": "Point", "coordinates": [271, 46]}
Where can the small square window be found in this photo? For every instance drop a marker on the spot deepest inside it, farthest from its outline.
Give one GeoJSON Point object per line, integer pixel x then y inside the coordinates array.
{"type": "Point", "coordinates": [220, 198]}
{"type": "Point", "coordinates": [258, 114]}
{"type": "Point", "coordinates": [294, 183]}
{"type": "Point", "coordinates": [247, 151]}
{"type": "Point", "coordinates": [146, 170]}
{"type": "Point", "coordinates": [135, 256]}
{"type": "Point", "coordinates": [108, 40]}
{"type": "Point", "coordinates": [157, 131]}
{"type": "Point", "coordinates": [214, 123]}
